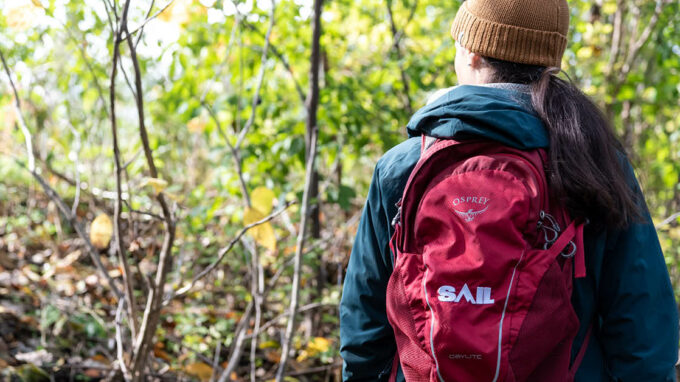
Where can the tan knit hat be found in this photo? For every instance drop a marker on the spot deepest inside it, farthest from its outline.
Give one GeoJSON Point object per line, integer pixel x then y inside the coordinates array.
{"type": "Point", "coordinates": [524, 31]}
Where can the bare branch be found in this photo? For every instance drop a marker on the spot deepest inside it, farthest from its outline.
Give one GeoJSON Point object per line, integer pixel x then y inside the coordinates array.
{"type": "Point", "coordinates": [119, 246]}
{"type": "Point", "coordinates": [637, 44]}
{"type": "Point", "coordinates": [154, 301]}
{"type": "Point", "coordinates": [668, 220]}
{"type": "Point", "coordinates": [616, 36]}
{"type": "Point", "coordinates": [61, 205]}
{"type": "Point", "coordinates": [224, 61]}
{"type": "Point", "coordinates": [141, 31]}
{"type": "Point", "coordinates": [76, 165]}
{"type": "Point", "coordinates": [260, 78]}
{"type": "Point", "coordinates": [235, 155]}
{"type": "Point", "coordinates": [298, 258]}
{"type": "Point", "coordinates": [238, 345]}
{"type": "Point", "coordinates": [119, 340]}
{"type": "Point", "coordinates": [141, 27]}
{"type": "Point", "coordinates": [396, 38]}
{"type": "Point", "coordinates": [222, 252]}
{"type": "Point", "coordinates": [216, 361]}
{"type": "Point", "coordinates": [274, 320]}
{"type": "Point", "coordinates": [283, 60]}
{"type": "Point", "coordinates": [20, 117]}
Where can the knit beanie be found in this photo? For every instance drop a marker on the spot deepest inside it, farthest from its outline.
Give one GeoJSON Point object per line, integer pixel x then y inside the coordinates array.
{"type": "Point", "coordinates": [530, 32]}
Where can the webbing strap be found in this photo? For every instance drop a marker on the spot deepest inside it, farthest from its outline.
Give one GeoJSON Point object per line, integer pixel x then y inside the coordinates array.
{"type": "Point", "coordinates": [581, 352]}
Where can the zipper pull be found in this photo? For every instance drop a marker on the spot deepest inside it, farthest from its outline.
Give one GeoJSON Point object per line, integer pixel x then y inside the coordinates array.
{"type": "Point", "coordinates": [397, 217]}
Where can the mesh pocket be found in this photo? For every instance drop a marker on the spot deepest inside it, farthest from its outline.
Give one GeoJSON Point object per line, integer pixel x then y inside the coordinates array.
{"type": "Point", "coordinates": [548, 330]}
{"type": "Point", "coordinates": [416, 362]}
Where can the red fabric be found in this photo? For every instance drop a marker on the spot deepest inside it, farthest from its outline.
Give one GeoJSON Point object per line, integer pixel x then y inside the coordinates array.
{"type": "Point", "coordinates": [470, 270]}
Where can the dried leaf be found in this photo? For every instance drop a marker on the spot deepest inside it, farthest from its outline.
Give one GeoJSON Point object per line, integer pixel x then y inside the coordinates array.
{"type": "Point", "coordinates": [101, 231]}
{"type": "Point", "coordinates": [157, 184]}
{"type": "Point", "coordinates": [199, 370]}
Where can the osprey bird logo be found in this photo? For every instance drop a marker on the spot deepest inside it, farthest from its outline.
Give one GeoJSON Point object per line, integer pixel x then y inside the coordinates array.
{"type": "Point", "coordinates": [471, 214]}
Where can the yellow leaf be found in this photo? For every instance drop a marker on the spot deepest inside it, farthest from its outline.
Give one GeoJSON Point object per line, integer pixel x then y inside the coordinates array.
{"type": "Point", "coordinates": [269, 345]}
{"type": "Point", "coordinates": [262, 199]}
{"type": "Point", "coordinates": [196, 125]}
{"type": "Point", "coordinates": [316, 346]}
{"type": "Point", "coordinates": [157, 184]}
{"type": "Point", "coordinates": [319, 344]}
{"type": "Point", "coordinates": [199, 370]}
{"type": "Point", "coordinates": [101, 231]}
{"type": "Point", "coordinates": [263, 234]}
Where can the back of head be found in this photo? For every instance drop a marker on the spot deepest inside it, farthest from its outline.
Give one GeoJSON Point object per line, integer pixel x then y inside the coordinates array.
{"type": "Point", "coordinates": [523, 41]}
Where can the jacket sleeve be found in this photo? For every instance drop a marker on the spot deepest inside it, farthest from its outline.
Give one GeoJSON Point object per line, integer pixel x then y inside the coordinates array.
{"type": "Point", "coordinates": [366, 339]}
{"type": "Point", "coordinates": [639, 318]}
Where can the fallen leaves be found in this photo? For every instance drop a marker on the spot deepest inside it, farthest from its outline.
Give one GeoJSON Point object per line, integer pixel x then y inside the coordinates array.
{"type": "Point", "coordinates": [101, 231]}
{"type": "Point", "coordinates": [199, 370]}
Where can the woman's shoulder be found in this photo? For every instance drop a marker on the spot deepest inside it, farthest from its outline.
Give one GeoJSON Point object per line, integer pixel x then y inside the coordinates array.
{"type": "Point", "coordinates": [397, 163]}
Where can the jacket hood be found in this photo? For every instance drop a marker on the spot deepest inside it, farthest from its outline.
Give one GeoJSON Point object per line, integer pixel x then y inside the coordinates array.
{"type": "Point", "coordinates": [468, 112]}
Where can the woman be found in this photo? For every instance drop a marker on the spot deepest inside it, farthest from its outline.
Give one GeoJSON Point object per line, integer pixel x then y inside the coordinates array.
{"type": "Point", "coordinates": [508, 57]}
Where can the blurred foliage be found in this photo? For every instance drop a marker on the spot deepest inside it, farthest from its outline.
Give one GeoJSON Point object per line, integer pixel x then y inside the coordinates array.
{"type": "Point", "coordinates": [196, 58]}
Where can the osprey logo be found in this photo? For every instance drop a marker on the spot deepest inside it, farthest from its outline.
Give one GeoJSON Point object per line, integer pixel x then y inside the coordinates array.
{"type": "Point", "coordinates": [471, 213]}
{"type": "Point", "coordinates": [447, 293]}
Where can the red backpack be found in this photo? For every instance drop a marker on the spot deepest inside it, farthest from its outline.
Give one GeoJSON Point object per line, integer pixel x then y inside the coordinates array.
{"type": "Point", "coordinates": [483, 268]}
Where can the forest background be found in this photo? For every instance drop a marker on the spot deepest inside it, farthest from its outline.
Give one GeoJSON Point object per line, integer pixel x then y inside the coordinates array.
{"type": "Point", "coordinates": [160, 161]}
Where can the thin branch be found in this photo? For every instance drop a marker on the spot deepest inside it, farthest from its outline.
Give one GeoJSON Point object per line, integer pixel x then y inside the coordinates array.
{"type": "Point", "coordinates": [396, 37]}
{"type": "Point", "coordinates": [637, 44]}
{"type": "Point", "coordinates": [134, 157]}
{"type": "Point", "coordinates": [216, 361]}
{"type": "Point", "coordinates": [119, 340]}
{"type": "Point", "coordinates": [109, 10]}
{"type": "Point", "coordinates": [237, 21]}
{"type": "Point", "coordinates": [235, 155]}
{"type": "Point", "coordinates": [238, 346]}
{"type": "Point", "coordinates": [283, 60]}
{"type": "Point", "coordinates": [260, 78]}
{"type": "Point", "coordinates": [141, 27]}
{"type": "Point", "coordinates": [298, 258]}
{"type": "Point", "coordinates": [150, 214]}
{"type": "Point", "coordinates": [154, 302]}
{"type": "Point", "coordinates": [119, 246]}
{"type": "Point", "coordinates": [401, 33]}
{"type": "Point", "coordinates": [141, 31]}
{"type": "Point", "coordinates": [22, 123]}
{"type": "Point", "coordinates": [76, 165]}
{"type": "Point", "coordinates": [88, 64]}
{"type": "Point", "coordinates": [256, 289]}
{"type": "Point", "coordinates": [52, 194]}
{"type": "Point", "coordinates": [223, 252]}
{"type": "Point", "coordinates": [617, 33]}
{"type": "Point", "coordinates": [127, 79]}
{"type": "Point", "coordinates": [274, 320]}
{"type": "Point", "coordinates": [64, 209]}
{"type": "Point", "coordinates": [668, 220]}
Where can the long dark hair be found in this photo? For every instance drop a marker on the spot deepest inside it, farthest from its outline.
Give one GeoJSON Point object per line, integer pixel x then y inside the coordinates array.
{"type": "Point", "coordinates": [586, 166]}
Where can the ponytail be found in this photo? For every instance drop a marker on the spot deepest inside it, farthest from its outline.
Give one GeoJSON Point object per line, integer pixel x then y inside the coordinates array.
{"type": "Point", "coordinates": [586, 161]}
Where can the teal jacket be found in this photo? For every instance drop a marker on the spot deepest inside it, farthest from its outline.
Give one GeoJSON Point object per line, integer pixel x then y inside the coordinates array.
{"type": "Point", "coordinates": [627, 295]}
